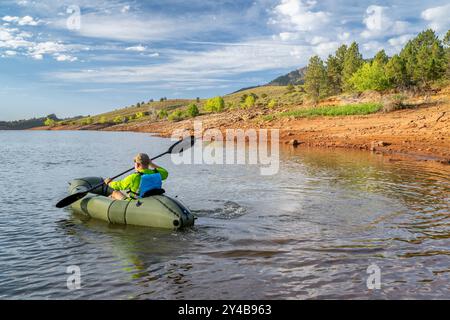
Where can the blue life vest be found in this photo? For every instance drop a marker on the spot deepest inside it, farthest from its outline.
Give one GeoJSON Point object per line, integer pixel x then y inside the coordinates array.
{"type": "Point", "coordinates": [149, 182]}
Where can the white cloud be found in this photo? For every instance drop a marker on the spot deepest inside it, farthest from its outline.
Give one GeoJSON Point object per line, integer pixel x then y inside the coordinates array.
{"type": "Point", "coordinates": [37, 56]}
{"type": "Point", "coordinates": [400, 41]}
{"type": "Point", "coordinates": [10, 19]}
{"type": "Point", "coordinates": [139, 27]}
{"type": "Point", "coordinates": [325, 48]}
{"type": "Point", "coordinates": [297, 15]}
{"type": "Point", "coordinates": [24, 21]}
{"type": "Point", "coordinates": [28, 21]}
{"type": "Point", "coordinates": [12, 38]}
{"type": "Point", "coordinates": [8, 53]}
{"type": "Point", "coordinates": [318, 39]}
{"type": "Point", "coordinates": [372, 47]}
{"type": "Point", "coordinates": [288, 36]}
{"type": "Point", "coordinates": [151, 55]}
{"type": "Point", "coordinates": [65, 57]}
{"type": "Point", "coordinates": [195, 68]}
{"type": "Point", "coordinates": [344, 36]}
{"type": "Point", "coordinates": [138, 48]}
{"type": "Point", "coordinates": [125, 9]}
{"type": "Point", "coordinates": [438, 17]}
{"type": "Point", "coordinates": [379, 23]}
{"type": "Point", "coordinates": [20, 42]}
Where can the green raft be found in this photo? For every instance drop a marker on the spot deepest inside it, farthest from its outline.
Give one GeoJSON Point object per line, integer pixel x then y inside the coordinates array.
{"type": "Point", "coordinates": [159, 211]}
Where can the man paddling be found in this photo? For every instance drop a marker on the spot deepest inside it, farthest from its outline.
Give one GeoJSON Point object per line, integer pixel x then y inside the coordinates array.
{"type": "Point", "coordinates": [130, 187]}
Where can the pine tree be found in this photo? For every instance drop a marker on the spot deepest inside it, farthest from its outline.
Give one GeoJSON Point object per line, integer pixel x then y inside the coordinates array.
{"type": "Point", "coordinates": [396, 72]}
{"type": "Point", "coordinates": [424, 58]}
{"type": "Point", "coordinates": [352, 62]}
{"type": "Point", "coordinates": [334, 75]}
{"type": "Point", "coordinates": [381, 57]}
{"type": "Point", "coordinates": [335, 65]}
{"type": "Point", "coordinates": [446, 43]}
{"type": "Point", "coordinates": [316, 84]}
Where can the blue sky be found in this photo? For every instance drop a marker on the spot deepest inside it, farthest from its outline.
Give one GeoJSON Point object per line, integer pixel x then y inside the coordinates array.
{"type": "Point", "coordinates": [120, 52]}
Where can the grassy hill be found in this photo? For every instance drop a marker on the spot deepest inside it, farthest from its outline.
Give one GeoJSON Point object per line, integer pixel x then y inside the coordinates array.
{"type": "Point", "coordinates": [153, 111]}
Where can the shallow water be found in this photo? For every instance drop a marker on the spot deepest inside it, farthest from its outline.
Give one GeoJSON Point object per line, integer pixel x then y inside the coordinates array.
{"type": "Point", "coordinates": [309, 232]}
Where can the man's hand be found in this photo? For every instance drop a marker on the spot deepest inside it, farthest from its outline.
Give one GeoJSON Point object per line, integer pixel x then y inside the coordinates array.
{"type": "Point", "coordinates": [107, 181]}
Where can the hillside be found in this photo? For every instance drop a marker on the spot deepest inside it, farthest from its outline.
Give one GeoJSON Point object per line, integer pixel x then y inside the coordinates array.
{"type": "Point", "coordinates": [295, 77]}
{"type": "Point", "coordinates": [28, 123]}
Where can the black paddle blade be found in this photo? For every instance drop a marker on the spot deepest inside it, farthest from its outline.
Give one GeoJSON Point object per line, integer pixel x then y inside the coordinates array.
{"type": "Point", "coordinates": [182, 145]}
{"type": "Point", "coordinates": [70, 199]}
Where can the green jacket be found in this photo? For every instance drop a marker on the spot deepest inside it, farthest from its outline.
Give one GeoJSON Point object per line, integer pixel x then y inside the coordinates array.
{"type": "Point", "coordinates": [132, 182]}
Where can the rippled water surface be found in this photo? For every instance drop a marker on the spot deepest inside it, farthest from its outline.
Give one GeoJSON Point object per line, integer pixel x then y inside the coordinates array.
{"type": "Point", "coordinates": [309, 232]}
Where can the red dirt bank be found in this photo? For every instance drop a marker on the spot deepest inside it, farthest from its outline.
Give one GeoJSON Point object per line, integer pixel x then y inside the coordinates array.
{"type": "Point", "coordinates": [422, 133]}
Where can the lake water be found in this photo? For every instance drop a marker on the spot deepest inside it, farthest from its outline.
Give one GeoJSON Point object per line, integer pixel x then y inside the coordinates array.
{"type": "Point", "coordinates": [309, 232]}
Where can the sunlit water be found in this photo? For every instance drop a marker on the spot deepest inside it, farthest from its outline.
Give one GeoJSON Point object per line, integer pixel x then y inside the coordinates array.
{"type": "Point", "coordinates": [309, 232]}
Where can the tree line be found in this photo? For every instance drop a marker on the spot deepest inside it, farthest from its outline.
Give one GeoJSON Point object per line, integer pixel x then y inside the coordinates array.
{"type": "Point", "coordinates": [422, 61]}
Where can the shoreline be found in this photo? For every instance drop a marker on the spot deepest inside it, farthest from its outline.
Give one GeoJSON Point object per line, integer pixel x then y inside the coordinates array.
{"type": "Point", "coordinates": [420, 134]}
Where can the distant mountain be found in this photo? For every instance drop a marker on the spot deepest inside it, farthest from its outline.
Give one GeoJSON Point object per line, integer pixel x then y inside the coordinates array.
{"type": "Point", "coordinates": [243, 89]}
{"type": "Point", "coordinates": [295, 77]}
{"type": "Point", "coordinates": [29, 123]}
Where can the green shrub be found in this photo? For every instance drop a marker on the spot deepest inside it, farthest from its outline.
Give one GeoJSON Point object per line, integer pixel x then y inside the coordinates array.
{"type": "Point", "coordinates": [139, 115]}
{"type": "Point", "coordinates": [162, 114]}
{"type": "Point", "coordinates": [102, 120]}
{"type": "Point", "coordinates": [263, 95]}
{"type": "Point", "coordinates": [249, 101]}
{"type": "Point", "coordinates": [272, 104]}
{"type": "Point", "coordinates": [192, 110]}
{"type": "Point", "coordinates": [177, 115]}
{"type": "Point", "coordinates": [119, 119]}
{"type": "Point", "coordinates": [215, 104]}
{"type": "Point", "coordinates": [269, 117]}
{"type": "Point", "coordinates": [87, 121]}
{"type": "Point", "coordinates": [50, 122]}
{"type": "Point", "coordinates": [371, 76]}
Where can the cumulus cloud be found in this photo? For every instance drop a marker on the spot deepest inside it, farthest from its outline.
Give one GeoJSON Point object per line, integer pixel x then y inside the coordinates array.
{"type": "Point", "coordinates": [299, 16]}
{"type": "Point", "coordinates": [401, 40]}
{"type": "Point", "coordinates": [15, 40]}
{"type": "Point", "coordinates": [438, 17]}
{"type": "Point", "coordinates": [379, 23]}
{"type": "Point", "coordinates": [24, 21]}
{"type": "Point", "coordinates": [326, 48]}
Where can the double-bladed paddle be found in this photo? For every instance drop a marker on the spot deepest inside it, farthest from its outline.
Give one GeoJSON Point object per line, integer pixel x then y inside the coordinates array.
{"type": "Point", "coordinates": [177, 147]}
